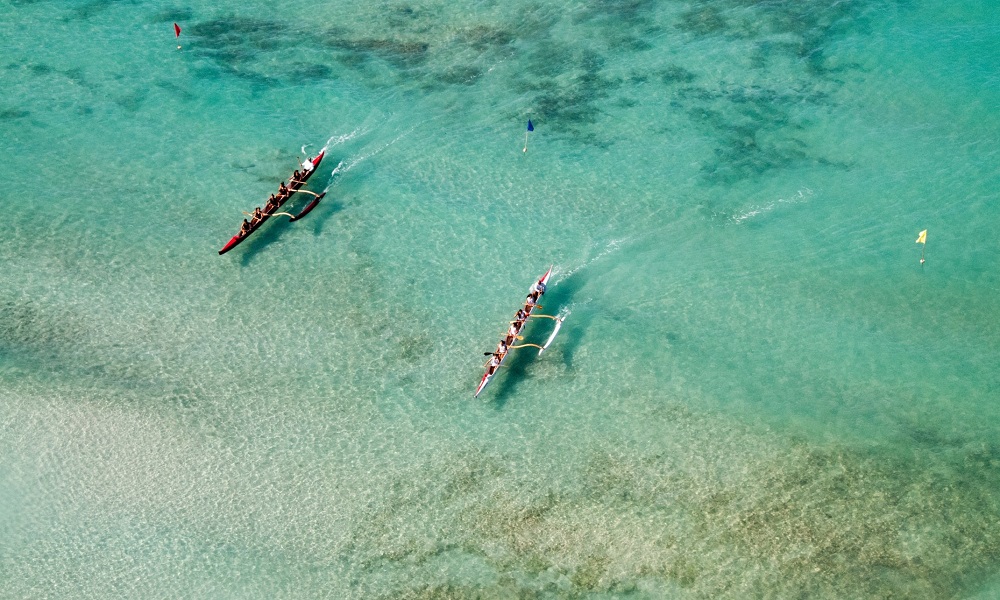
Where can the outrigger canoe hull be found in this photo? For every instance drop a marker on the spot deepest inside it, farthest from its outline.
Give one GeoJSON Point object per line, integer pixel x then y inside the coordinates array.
{"type": "Point", "coordinates": [237, 239]}
{"type": "Point", "coordinates": [305, 211]}
{"type": "Point", "coordinates": [487, 377]}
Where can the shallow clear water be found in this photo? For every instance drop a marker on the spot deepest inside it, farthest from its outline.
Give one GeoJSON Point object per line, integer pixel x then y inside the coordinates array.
{"type": "Point", "coordinates": [758, 392]}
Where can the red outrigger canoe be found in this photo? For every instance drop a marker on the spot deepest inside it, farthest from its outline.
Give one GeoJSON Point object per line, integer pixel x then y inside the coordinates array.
{"type": "Point", "coordinates": [235, 241]}
{"type": "Point", "coordinates": [544, 280]}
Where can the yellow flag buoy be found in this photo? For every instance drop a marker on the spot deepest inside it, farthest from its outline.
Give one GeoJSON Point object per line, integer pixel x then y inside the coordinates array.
{"type": "Point", "coordinates": [922, 239]}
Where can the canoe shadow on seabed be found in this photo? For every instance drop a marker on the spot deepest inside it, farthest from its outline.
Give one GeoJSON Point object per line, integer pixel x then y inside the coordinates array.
{"type": "Point", "coordinates": [514, 370]}
{"type": "Point", "coordinates": [272, 232]}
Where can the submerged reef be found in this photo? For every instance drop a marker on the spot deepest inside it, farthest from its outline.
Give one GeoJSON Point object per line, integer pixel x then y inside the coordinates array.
{"type": "Point", "coordinates": [803, 522]}
{"type": "Point", "coordinates": [575, 84]}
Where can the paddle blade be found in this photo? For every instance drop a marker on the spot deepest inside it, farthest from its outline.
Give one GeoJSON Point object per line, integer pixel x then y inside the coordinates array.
{"type": "Point", "coordinates": [530, 126]}
{"type": "Point", "coordinates": [177, 30]}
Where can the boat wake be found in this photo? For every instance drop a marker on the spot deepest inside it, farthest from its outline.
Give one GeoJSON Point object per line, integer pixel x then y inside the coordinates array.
{"type": "Point", "coordinates": [611, 247]}
{"type": "Point", "coordinates": [344, 167]}
{"type": "Point", "coordinates": [349, 163]}
{"type": "Point", "coordinates": [336, 140]}
{"type": "Point", "coordinates": [760, 209]}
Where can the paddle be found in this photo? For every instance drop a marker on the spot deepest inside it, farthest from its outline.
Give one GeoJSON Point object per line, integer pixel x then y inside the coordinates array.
{"type": "Point", "coordinates": [520, 337]}
{"type": "Point", "coordinates": [537, 316]}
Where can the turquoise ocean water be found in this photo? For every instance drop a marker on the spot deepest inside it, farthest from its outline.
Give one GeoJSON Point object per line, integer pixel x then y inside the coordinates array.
{"type": "Point", "coordinates": [758, 392]}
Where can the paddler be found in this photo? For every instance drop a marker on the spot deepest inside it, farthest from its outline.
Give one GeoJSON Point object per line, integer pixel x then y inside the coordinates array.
{"type": "Point", "coordinates": [282, 190]}
{"type": "Point", "coordinates": [515, 327]}
{"type": "Point", "coordinates": [245, 227]}
{"type": "Point", "coordinates": [491, 367]}
{"type": "Point", "coordinates": [272, 202]}
{"type": "Point", "coordinates": [535, 292]}
{"type": "Point", "coordinates": [307, 165]}
{"type": "Point", "coordinates": [296, 176]}
{"type": "Point", "coordinates": [502, 348]}
{"type": "Point", "coordinates": [257, 216]}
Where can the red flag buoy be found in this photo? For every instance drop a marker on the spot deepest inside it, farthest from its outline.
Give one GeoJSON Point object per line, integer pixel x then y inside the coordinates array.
{"type": "Point", "coordinates": [177, 30]}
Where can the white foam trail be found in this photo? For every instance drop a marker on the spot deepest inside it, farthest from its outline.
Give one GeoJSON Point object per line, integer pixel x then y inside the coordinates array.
{"type": "Point", "coordinates": [613, 246]}
{"type": "Point", "coordinates": [332, 174]}
{"type": "Point", "coordinates": [342, 166]}
{"type": "Point", "coordinates": [357, 160]}
{"type": "Point", "coordinates": [337, 140]}
{"type": "Point", "coordinates": [759, 209]}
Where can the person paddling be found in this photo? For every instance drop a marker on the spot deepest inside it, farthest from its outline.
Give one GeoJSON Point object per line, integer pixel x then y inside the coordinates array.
{"type": "Point", "coordinates": [282, 190]}
{"type": "Point", "coordinates": [245, 227]}
{"type": "Point", "coordinates": [535, 293]}
{"type": "Point", "coordinates": [272, 203]}
{"type": "Point", "coordinates": [493, 364]}
{"type": "Point", "coordinates": [257, 216]}
{"type": "Point", "coordinates": [512, 332]}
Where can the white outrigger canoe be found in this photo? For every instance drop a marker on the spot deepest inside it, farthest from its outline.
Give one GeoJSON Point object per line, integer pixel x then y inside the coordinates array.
{"type": "Point", "coordinates": [544, 280]}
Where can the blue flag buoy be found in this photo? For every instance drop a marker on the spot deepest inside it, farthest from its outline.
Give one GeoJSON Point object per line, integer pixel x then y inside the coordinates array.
{"type": "Point", "coordinates": [530, 128]}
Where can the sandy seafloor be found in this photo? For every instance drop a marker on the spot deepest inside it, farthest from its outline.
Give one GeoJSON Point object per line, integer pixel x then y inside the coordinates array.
{"type": "Point", "coordinates": [758, 393]}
